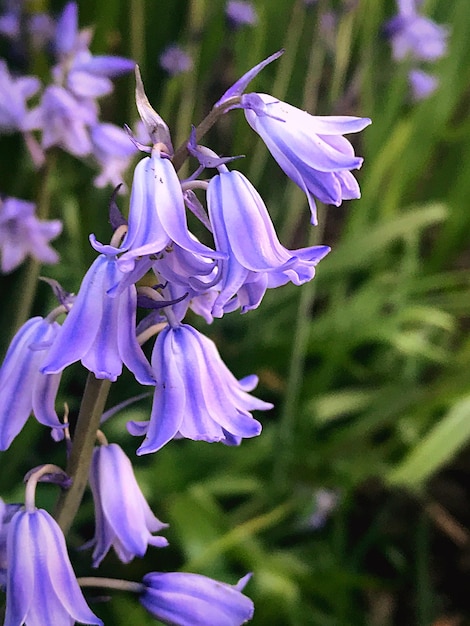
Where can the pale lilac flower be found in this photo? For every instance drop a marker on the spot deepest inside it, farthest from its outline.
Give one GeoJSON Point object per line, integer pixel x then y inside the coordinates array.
{"type": "Point", "coordinates": [326, 500]}
{"type": "Point", "coordinates": [22, 234]}
{"type": "Point", "coordinates": [41, 587]}
{"type": "Point", "coordinates": [181, 599]}
{"type": "Point", "coordinates": [157, 215]}
{"type": "Point", "coordinates": [241, 13]}
{"type": "Point", "coordinates": [244, 231]}
{"type": "Point", "coordinates": [14, 93]}
{"type": "Point", "coordinates": [100, 329]}
{"type": "Point", "coordinates": [65, 120]}
{"type": "Point", "coordinates": [414, 35]}
{"type": "Point", "coordinates": [123, 519]}
{"type": "Point", "coordinates": [6, 513]}
{"type": "Point", "coordinates": [175, 60]}
{"type": "Point", "coordinates": [310, 149]}
{"type": "Point", "coordinates": [422, 84]}
{"type": "Point", "coordinates": [113, 150]}
{"type": "Point", "coordinates": [24, 389]}
{"type": "Point", "coordinates": [197, 396]}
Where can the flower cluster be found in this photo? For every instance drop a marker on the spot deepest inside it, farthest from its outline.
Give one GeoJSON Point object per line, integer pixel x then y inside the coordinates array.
{"type": "Point", "coordinates": [226, 265]}
{"type": "Point", "coordinates": [417, 38]}
{"type": "Point", "coordinates": [67, 111]}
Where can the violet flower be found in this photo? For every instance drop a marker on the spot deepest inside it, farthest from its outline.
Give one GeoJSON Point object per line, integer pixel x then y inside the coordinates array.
{"type": "Point", "coordinates": [174, 60]}
{"type": "Point", "coordinates": [414, 35]}
{"type": "Point", "coordinates": [422, 84]}
{"type": "Point", "coordinates": [41, 587]}
{"type": "Point", "coordinates": [6, 513]}
{"type": "Point", "coordinates": [197, 397]}
{"type": "Point", "coordinates": [157, 215]}
{"type": "Point", "coordinates": [244, 231]}
{"type": "Point", "coordinates": [100, 329]}
{"type": "Point", "coordinates": [113, 150]}
{"type": "Point", "coordinates": [241, 13]}
{"type": "Point", "coordinates": [14, 93]}
{"type": "Point", "coordinates": [24, 388]}
{"type": "Point", "coordinates": [22, 234]}
{"type": "Point", "coordinates": [123, 519]}
{"type": "Point", "coordinates": [310, 149]}
{"type": "Point", "coordinates": [181, 599]}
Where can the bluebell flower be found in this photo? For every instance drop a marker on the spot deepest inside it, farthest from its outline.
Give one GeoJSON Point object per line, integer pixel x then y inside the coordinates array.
{"type": "Point", "coordinates": [415, 35]}
{"type": "Point", "coordinates": [244, 231]}
{"type": "Point", "coordinates": [6, 513]}
{"type": "Point", "coordinates": [25, 389]}
{"type": "Point", "coordinates": [310, 149]}
{"type": "Point", "coordinates": [175, 60]}
{"type": "Point", "coordinates": [65, 120]}
{"type": "Point", "coordinates": [14, 94]}
{"type": "Point", "coordinates": [181, 599]}
{"type": "Point", "coordinates": [41, 587]}
{"type": "Point", "coordinates": [22, 234]}
{"type": "Point", "coordinates": [123, 519]}
{"type": "Point", "coordinates": [157, 215]}
{"type": "Point", "coordinates": [113, 150]}
{"type": "Point", "coordinates": [100, 329]}
{"type": "Point", "coordinates": [197, 396]}
{"type": "Point", "coordinates": [241, 13]}
{"type": "Point", "coordinates": [422, 84]}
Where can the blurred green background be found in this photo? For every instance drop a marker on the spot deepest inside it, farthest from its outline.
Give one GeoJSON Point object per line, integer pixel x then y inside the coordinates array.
{"type": "Point", "coordinates": [368, 365]}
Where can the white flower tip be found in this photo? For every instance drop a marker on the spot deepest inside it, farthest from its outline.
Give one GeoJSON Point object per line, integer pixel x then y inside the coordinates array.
{"type": "Point", "coordinates": [154, 124]}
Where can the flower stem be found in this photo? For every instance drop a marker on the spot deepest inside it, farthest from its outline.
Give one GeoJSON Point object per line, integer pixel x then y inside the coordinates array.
{"type": "Point", "coordinates": [78, 465]}
{"type": "Point", "coordinates": [110, 583]}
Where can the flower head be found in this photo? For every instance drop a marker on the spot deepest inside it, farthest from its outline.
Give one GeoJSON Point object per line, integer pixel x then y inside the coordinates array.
{"type": "Point", "coordinates": [182, 599]}
{"type": "Point", "coordinates": [310, 149]}
{"type": "Point", "coordinates": [6, 513]}
{"type": "Point", "coordinates": [113, 150]}
{"type": "Point", "coordinates": [100, 329]}
{"type": "Point", "coordinates": [414, 35]}
{"type": "Point", "coordinates": [41, 586]}
{"type": "Point", "coordinates": [23, 234]}
{"type": "Point", "coordinates": [14, 92]}
{"type": "Point", "coordinates": [198, 397]}
{"type": "Point", "coordinates": [241, 13]}
{"type": "Point", "coordinates": [243, 229]}
{"type": "Point", "coordinates": [123, 518]}
{"type": "Point", "coordinates": [24, 388]}
{"type": "Point", "coordinates": [422, 84]}
{"type": "Point", "coordinates": [175, 60]}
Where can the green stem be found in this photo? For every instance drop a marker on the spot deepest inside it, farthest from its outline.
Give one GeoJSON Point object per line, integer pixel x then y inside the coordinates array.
{"type": "Point", "coordinates": [78, 465]}
{"type": "Point", "coordinates": [32, 269]}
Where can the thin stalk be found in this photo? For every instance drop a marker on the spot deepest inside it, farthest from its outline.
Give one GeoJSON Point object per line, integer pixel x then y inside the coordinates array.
{"type": "Point", "coordinates": [78, 465]}
{"type": "Point", "coordinates": [29, 282]}
{"type": "Point", "coordinates": [111, 583]}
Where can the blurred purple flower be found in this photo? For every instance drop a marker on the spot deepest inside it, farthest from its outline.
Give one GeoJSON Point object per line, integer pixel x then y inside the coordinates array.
{"type": "Point", "coordinates": [100, 329]}
{"type": "Point", "coordinates": [244, 231]}
{"type": "Point", "coordinates": [41, 587]}
{"type": "Point", "coordinates": [414, 35]}
{"type": "Point", "coordinates": [241, 13]}
{"type": "Point", "coordinates": [422, 84]}
{"type": "Point", "coordinates": [113, 150]}
{"type": "Point", "coordinates": [182, 599]}
{"type": "Point", "coordinates": [23, 234]}
{"type": "Point", "coordinates": [6, 513]}
{"type": "Point", "coordinates": [123, 519]}
{"type": "Point", "coordinates": [175, 60]}
{"type": "Point", "coordinates": [197, 396]}
{"type": "Point", "coordinates": [326, 500]}
{"type": "Point", "coordinates": [24, 388]}
{"type": "Point", "coordinates": [14, 92]}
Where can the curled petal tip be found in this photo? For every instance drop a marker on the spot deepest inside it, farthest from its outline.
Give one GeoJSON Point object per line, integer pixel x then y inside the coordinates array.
{"type": "Point", "coordinates": [156, 127]}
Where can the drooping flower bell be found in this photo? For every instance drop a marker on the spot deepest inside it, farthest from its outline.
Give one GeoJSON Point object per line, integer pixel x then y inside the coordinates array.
{"type": "Point", "coordinates": [25, 389]}
{"type": "Point", "coordinates": [181, 599]}
{"type": "Point", "coordinates": [41, 587]}
{"type": "Point", "coordinates": [100, 329]}
{"type": "Point", "coordinates": [197, 396]}
{"type": "Point", "coordinates": [123, 519]}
